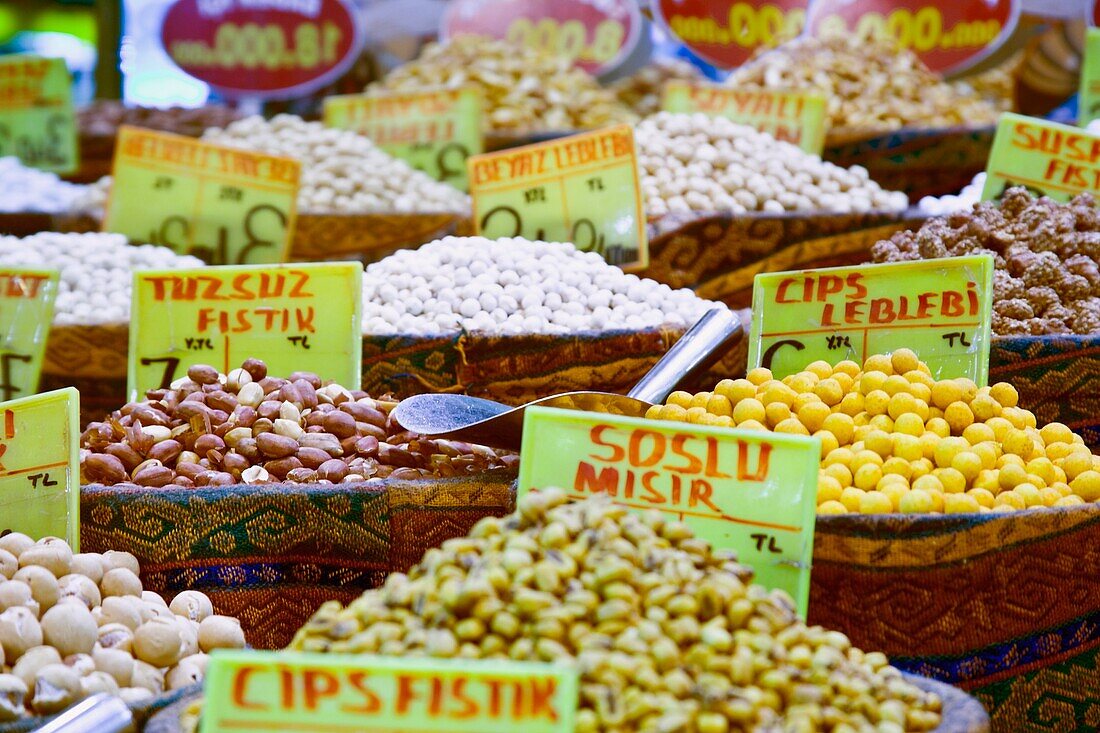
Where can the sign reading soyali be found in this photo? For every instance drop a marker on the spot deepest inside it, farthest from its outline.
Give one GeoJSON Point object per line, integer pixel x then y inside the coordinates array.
{"type": "Point", "coordinates": [947, 35]}
{"type": "Point", "coordinates": [597, 35]}
{"type": "Point", "coordinates": [297, 691]}
{"type": "Point", "coordinates": [268, 49]}
{"type": "Point", "coordinates": [726, 33]}
{"type": "Point", "coordinates": [1047, 158]}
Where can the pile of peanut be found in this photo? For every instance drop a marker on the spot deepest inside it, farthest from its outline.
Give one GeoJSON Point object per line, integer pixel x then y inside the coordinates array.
{"type": "Point", "coordinates": [214, 429]}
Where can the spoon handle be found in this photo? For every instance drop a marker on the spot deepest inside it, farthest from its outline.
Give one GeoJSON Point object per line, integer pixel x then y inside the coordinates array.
{"type": "Point", "coordinates": [701, 346]}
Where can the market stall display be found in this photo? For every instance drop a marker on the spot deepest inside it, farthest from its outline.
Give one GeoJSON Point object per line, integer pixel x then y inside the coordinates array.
{"type": "Point", "coordinates": [641, 91]}
{"type": "Point", "coordinates": [29, 190]}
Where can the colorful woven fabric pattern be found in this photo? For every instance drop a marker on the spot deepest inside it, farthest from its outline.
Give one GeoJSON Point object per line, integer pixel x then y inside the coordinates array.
{"type": "Point", "coordinates": [271, 555]}
{"type": "Point", "coordinates": [1005, 606]}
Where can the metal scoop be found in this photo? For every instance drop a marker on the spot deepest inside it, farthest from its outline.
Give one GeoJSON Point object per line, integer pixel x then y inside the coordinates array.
{"type": "Point", "coordinates": [486, 422]}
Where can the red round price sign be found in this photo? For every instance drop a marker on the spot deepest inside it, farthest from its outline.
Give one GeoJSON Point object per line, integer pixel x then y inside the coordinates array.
{"type": "Point", "coordinates": [268, 49]}
{"type": "Point", "coordinates": [948, 35]}
{"type": "Point", "coordinates": [727, 32]}
{"type": "Point", "coordinates": [597, 34]}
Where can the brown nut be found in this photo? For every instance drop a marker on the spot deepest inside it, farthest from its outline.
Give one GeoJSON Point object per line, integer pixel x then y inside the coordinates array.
{"type": "Point", "coordinates": [274, 445]}
{"type": "Point", "coordinates": [116, 636]}
{"type": "Point", "coordinates": [120, 582]}
{"type": "Point", "coordinates": [80, 587]}
{"type": "Point", "coordinates": [158, 642]}
{"type": "Point", "coordinates": [165, 451]}
{"type": "Point", "coordinates": [203, 374]}
{"type": "Point", "coordinates": [52, 553]}
{"type": "Point", "coordinates": [33, 660]}
{"type": "Point", "coordinates": [333, 470]}
{"type": "Point", "coordinates": [44, 586]}
{"type": "Point", "coordinates": [56, 687]}
{"type": "Point", "coordinates": [104, 468]}
{"type": "Point", "coordinates": [89, 564]}
{"type": "Point", "coordinates": [115, 662]}
{"type": "Point", "coordinates": [220, 632]}
{"type": "Point", "coordinates": [70, 628]}
{"type": "Point", "coordinates": [192, 604]}
{"type": "Point", "coordinates": [154, 476]}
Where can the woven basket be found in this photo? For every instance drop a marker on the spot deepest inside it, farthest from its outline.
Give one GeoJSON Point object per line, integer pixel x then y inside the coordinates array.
{"type": "Point", "coordinates": [718, 255]}
{"type": "Point", "coordinates": [1006, 606]}
{"type": "Point", "coordinates": [930, 162]}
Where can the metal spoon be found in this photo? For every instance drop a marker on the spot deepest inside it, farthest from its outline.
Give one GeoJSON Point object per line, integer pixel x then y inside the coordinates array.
{"type": "Point", "coordinates": [486, 422]}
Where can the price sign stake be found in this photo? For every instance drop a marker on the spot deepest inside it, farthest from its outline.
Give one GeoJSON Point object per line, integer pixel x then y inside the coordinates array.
{"type": "Point", "coordinates": [222, 205]}
{"type": "Point", "coordinates": [26, 312]}
{"type": "Point", "coordinates": [793, 117]}
{"type": "Point", "coordinates": [40, 465]}
{"type": "Point", "coordinates": [294, 317]}
{"type": "Point", "coordinates": [433, 131]}
{"type": "Point", "coordinates": [941, 309]}
{"type": "Point", "coordinates": [307, 692]}
{"type": "Point", "coordinates": [1047, 158]}
{"type": "Point", "coordinates": [582, 189]}
{"type": "Point", "coordinates": [749, 491]}
{"type": "Point", "coordinates": [37, 123]}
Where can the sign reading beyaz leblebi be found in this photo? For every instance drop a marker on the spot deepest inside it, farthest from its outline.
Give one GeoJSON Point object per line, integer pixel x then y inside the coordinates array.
{"type": "Point", "coordinates": [305, 317]}
{"type": "Point", "coordinates": [749, 491]}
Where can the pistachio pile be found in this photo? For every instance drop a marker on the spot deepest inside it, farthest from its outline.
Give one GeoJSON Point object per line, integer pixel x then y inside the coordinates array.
{"type": "Point", "coordinates": [214, 429]}
{"type": "Point", "coordinates": [667, 633]}
{"type": "Point", "coordinates": [76, 624]}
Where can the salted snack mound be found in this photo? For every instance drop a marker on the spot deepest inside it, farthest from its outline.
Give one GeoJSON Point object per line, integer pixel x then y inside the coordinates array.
{"type": "Point", "coordinates": [868, 84]}
{"type": "Point", "coordinates": [97, 271]}
{"type": "Point", "coordinates": [342, 171]}
{"type": "Point", "coordinates": [893, 439]}
{"type": "Point", "coordinates": [695, 162]}
{"type": "Point", "coordinates": [667, 633]}
{"type": "Point", "coordinates": [513, 286]}
{"type": "Point", "coordinates": [1046, 255]}
{"type": "Point", "coordinates": [641, 91]}
{"type": "Point", "coordinates": [214, 429]}
{"type": "Point", "coordinates": [524, 89]}
{"type": "Point", "coordinates": [77, 624]}
{"type": "Point", "coordinates": [950, 203]}
{"type": "Point", "coordinates": [25, 189]}
{"type": "Point", "coordinates": [103, 117]}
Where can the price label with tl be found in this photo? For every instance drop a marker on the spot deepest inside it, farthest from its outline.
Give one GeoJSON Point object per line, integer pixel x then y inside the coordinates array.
{"type": "Point", "coordinates": [37, 124]}
{"type": "Point", "coordinates": [582, 189]}
{"type": "Point", "coordinates": [223, 205]}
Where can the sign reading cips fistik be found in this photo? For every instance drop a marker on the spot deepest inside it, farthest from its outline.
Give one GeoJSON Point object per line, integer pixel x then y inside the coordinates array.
{"type": "Point", "coordinates": [744, 490]}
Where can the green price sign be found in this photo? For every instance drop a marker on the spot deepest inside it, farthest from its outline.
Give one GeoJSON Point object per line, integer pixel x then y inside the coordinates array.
{"type": "Point", "coordinates": [1047, 158]}
{"type": "Point", "coordinates": [433, 131]}
{"type": "Point", "coordinates": [294, 317]}
{"type": "Point", "coordinates": [793, 117]}
{"type": "Point", "coordinates": [941, 309]}
{"type": "Point", "coordinates": [222, 205]}
{"type": "Point", "coordinates": [1088, 103]}
{"type": "Point", "coordinates": [40, 465]}
{"type": "Point", "coordinates": [582, 189]}
{"type": "Point", "coordinates": [307, 692]}
{"type": "Point", "coordinates": [744, 490]}
{"type": "Point", "coordinates": [37, 123]}
{"type": "Point", "coordinates": [26, 312]}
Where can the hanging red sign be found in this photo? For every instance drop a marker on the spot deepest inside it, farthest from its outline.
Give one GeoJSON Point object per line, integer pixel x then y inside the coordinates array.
{"type": "Point", "coordinates": [272, 49]}
{"type": "Point", "coordinates": [726, 32]}
{"type": "Point", "coordinates": [948, 35]}
{"type": "Point", "coordinates": [598, 35]}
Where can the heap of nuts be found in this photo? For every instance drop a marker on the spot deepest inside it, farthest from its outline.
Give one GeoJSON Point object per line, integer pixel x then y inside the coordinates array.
{"type": "Point", "coordinates": [869, 85]}
{"type": "Point", "coordinates": [894, 439]}
{"type": "Point", "coordinates": [103, 117]}
{"type": "Point", "coordinates": [524, 89]}
{"type": "Point", "coordinates": [212, 429]}
{"type": "Point", "coordinates": [1047, 258]}
{"type": "Point", "coordinates": [77, 624]}
{"type": "Point", "coordinates": [26, 189]}
{"type": "Point", "coordinates": [342, 171]}
{"type": "Point", "coordinates": [695, 162]}
{"type": "Point", "coordinates": [667, 633]}
{"type": "Point", "coordinates": [641, 91]}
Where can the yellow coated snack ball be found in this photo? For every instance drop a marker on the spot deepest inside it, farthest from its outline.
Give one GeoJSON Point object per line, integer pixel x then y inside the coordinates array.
{"type": "Point", "coordinates": [680, 398]}
{"type": "Point", "coordinates": [806, 398]}
{"type": "Point", "coordinates": [953, 481]}
{"type": "Point", "coordinates": [1029, 493]}
{"type": "Point", "coordinates": [700, 399]}
{"type": "Point", "coordinates": [897, 466]}
{"type": "Point", "coordinates": [978, 433]}
{"type": "Point", "coordinates": [776, 413]}
{"type": "Point", "coordinates": [871, 381]}
{"type": "Point", "coordinates": [880, 442]}
{"type": "Point", "coordinates": [830, 391]}
{"type": "Point", "coordinates": [863, 457]}
{"type": "Point", "coordinates": [969, 389]}
{"type": "Point", "coordinates": [946, 449]}
{"type": "Point", "coordinates": [904, 360]}
{"type": "Point", "coordinates": [851, 497]}
{"type": "Point", "coordinates": [842, 456]}
{"type": "Point", "coordinates": [938, 426]}
{"type": "Point", "coordinates": [759, 375]}
{"type": "Point", "coordinates": [968, 464]}
{"type": "Point", "coordinates": [801, 382]}
{"type": "Point", "coordinates": [1009, 499]}
{"type": "Point", "coordinates": [928, 483]}
{"type": "Point", "coordinates": [828, 489]}
{"type": "Point", "coordinates": [1087, 485]}
{"type": "Point", "coordinates": [891, 478]}
{"type": "Point", "coordinates": [844, 381]}
{"type": "Point", "coordinates": [752, 425]}
{"type": "Point", "coordinates": [959, 416]}
{"type": "Point", "coordinates": [984, 497]}
{"type": "Point", "coordinates": [876, 402]}
{"type": "Point", "coordinates": [778, 392]}
{"type": "Point", "coordinates": [922, 392]}
{"type": "Point", "coordinates": [696, 415]}
{"type": "Point", "coordinates": [1055, 432]}
{"type": "Point", "coordinates": [813, 415]}
{"type": "Point", "coordinates": [736, 390]}
{"type": "Point", "coordinates": [895, 491]}
{"type": "Point", "coordinates": [722, 421]}
{"type": "Point", "coordinates": [988, 452]}
{"type": "Point", "coordinates": [878, 363]}
{"type": "Point", "coordinates": [909, 423]}
{"type": "Point", "coordinates": [921, 467]}
{"type": "Point", "coordinates": [896, 384]}
{"type": "Point", "coordinates": [901, 403]}
{"type": "Point", "coordinates": [1070, 500]}
{"type": "Point", "coordinates": [1049, 496]}
{"type": "Point", "coordinates": [1018, 443]}
{"type": "Point", "coordinates": [928, 443]}
{"type": "Point", "coordinates": [907, 448]}
{"type": "Point", "coordinates": [828, 441]}
{"type": "Point", "coordinates": [832, 507]}
{"type": "Point", "coordinates": [985, 407]}
{"type": "Point", "coordinates": [821, 368]}
{"type": "Point", "coordinates": [1000, 427]}
{"type": "Point", "coordinates": [1076, 463]}
{"type": "Point", "coordinates": [1011, 475]}
{"type": "Point", "coordinates": [1062, 488]}
{"type": "Point", "coordinates": [960, 504]}
{"type": "Point", "coordinates": [848, 367]}
{"type": "Point", "coordinates": [1005, 394]}
{"type": "Point", "coordinates": [840, 425]}
{"type": "Point", "coordinates": [719, 405]}
{"type": "Point", "coordinates": [867, 476]}
{"type": "Point", "coordinates": [851, 405]}
{"type": "Point", "coordinates": [946, 392]}
{"type": "Point", "coordinates": [1043, 468]}
{"type": "Point", "coordinates": [749, 409]}
{"type": "Point", "coordinates": [916, 501]}
{"type": "Point", "coordinates": [791, 426]}
{"type": "Point", "coordinates": [1015, 417]}
{"type": "Point", "coordinates": [840, 472]}
{"type": "Point", "coordinates": [882, 422]}
{"type": "Point", "coordinates": [988, 479]}
{"type": "Point", "coordinates": [875, 502]}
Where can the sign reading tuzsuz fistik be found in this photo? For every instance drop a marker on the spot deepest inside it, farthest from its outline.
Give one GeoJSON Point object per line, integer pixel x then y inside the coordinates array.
{"type": "Point", "coordinates": [939, 308]}
{"type": "Point", "coordinates": [223, 205]}
{"type": "Point", "coordinates": [295, 317]}
{"type": "Point", "coordinates": [749, 491]}
{"type": "Point", "coordinates": [582, 189]}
